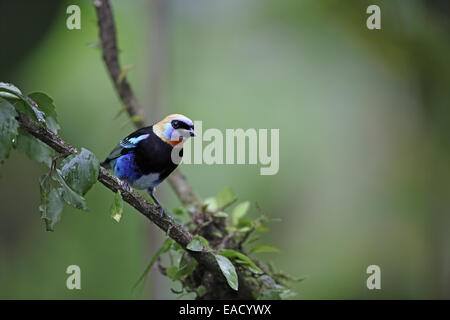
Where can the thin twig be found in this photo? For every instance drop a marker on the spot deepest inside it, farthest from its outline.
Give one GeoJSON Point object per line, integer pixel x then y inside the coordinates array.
{"type": "Point", "coordinates": [111, 58]}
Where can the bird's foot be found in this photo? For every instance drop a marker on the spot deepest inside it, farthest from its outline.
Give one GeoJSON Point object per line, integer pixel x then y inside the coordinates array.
{"type": "Point", "coordinates": [162, 211]}
{"type": "Point", "coordinates": [126, 186]}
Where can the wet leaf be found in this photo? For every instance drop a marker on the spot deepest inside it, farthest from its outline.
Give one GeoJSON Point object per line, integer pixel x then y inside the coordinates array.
{"type": "Point", "coordinates": [116, 208]}
{"type": "Point", "coordinates": [229, 253]}
{"type": "Point", "coordinates": [8, 90]}
{"type": "Point", "coordinates": [8, 128]}
{"type": "Point", "coordinates": [228, 271]}
{"type": "Point", "coordinates": [197, 243]}
{"type": "Point", "coordinates": [45, 104]}
{"type": "Point", "coordinates": [71, 197]}
{"type": "Point", "coordinates": [51, 203]}
{"type": "Point", "coordinates": [45, 186]}
{"type": "Point", "coordinates": [34, 148]}
{"type": "Point", "coordinates": [80, 171]}
{"type": "Point", "coordinates": [25, 104]}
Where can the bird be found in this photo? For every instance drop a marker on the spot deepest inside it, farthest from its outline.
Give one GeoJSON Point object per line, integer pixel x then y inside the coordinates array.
{"type": "Point", "coordinates": [144, 158]}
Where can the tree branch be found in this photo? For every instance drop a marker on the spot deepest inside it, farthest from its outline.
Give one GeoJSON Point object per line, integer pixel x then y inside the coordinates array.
{"type": "Point", "coordinates": [149, 210]}
{"type": "Point", "coordinates": [108, 41]}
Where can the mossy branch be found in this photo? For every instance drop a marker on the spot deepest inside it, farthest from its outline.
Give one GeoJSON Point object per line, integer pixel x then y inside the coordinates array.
{"type": "Point", "coordinates": [173, 229]}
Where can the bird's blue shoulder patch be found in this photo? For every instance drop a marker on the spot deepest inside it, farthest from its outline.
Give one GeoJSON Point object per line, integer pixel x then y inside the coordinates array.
{"type": "Point", "coordinates": [132, 142]}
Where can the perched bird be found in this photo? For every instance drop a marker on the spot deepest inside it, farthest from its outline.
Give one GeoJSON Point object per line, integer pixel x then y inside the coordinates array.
{"type": "Point", "coordinates": [144, 158]}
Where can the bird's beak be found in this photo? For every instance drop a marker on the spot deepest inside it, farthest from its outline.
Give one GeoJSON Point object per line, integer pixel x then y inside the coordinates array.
{"type": "Point", "coordinates": [192, 132]}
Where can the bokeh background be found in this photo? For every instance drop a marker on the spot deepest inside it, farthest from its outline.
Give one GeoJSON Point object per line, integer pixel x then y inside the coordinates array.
{"type": "Point", "coordinates": [364, 120]}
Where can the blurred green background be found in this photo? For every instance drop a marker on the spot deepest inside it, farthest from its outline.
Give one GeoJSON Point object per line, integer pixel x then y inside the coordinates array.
{"type": "Point", "coordinates": [364, 124]}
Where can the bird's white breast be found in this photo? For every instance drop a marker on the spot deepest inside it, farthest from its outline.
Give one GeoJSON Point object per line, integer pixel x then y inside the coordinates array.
{"type": "Point", "coordinates": [146, 181]}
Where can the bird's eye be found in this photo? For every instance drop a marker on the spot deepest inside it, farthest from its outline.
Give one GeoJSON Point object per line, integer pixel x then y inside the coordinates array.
{"type": "Point", "coordinates": [175, 124]}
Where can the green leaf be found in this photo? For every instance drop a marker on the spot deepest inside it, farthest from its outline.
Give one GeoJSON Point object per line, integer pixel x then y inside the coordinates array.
{"type": "Point", "coordinates": [7, 90]}
{"type": "Point", "coordinates": [203, 240]}
{"type": "Point", "coordinates": [225, 197]}
{"type": "Point", "coordinates": [137, 118]}
{"type": "Point", "coordinates": [116, 207]}
{"type": "Point", "coordinates": [164, 248]}
{"type": "Point", "coordinates": [178, 211]}
{"type": "Point", "coordinates": [244, 225]}
{"type": "Point", "coordinates": [263, 248]}
{"type": "Point", "coordinates": [229, 253]}
{"type": "Point", "coordinates": [221, 214]}
{"type": "Point", "coordinates": [262, 228]}
{"type": "Point", "coordinates": [184, 270]}
{"type": "Point", "coordinates": [277, 293]}
{"type": "Point", "coordinates": [184, 294]}
{"type": "Point", "coordinates": [34, 148]}
{"type": "Point", "coordinates": [51, 203]}
{"type": "Point", "coordinates": [25, 105]}
{"type": "Point", "coordinates": [71, 197]}
{"type": "Point", "coordinates": [239, 211]}
{"type": "Point", "coordinates": [8, 128]}
{"type": "Point", "coordinates": [244, 229]}
{"type": "Point", "coordinates": [80, 171]}
{"type": "Point", "coordinates": [287, 294]}
{"type": "Point", "coordinates": [171, 272]}
{"type": "Point", "coordinates": [197, 243]}
{"type": "Point", "coordinates": [45, 185]}
{"type": "Point", "coordinates": [201, 291]}
{"type": "Point", "coordinates": [52, 212]}
{"type": "Point", "coordinates": [46, 105]}
{"type": "Point", "coordinates": [181, 215]}
{"type": "Point", "coordinates": [228, 271]}
{"type": "Point", "coordinates": [270, 294]}
{"type": "Point", "coordinates": [210, 204]}
{"type": "Point", "coordinates": [175, 246]}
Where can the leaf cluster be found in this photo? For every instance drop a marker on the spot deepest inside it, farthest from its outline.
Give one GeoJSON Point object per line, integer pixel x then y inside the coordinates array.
{"type": "Point", "coordinates": [63, 184]}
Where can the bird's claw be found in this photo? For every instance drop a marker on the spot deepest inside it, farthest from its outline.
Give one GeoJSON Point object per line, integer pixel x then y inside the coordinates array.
{"type": "Point", "coordinates": [162, 211]}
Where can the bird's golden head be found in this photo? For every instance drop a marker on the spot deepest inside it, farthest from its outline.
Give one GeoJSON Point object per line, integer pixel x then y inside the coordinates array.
{"type": "Point", "coordinates": [174, 129]}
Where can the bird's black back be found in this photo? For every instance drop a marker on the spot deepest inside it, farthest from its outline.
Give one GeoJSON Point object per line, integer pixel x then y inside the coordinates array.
{"type": "Point", "coordinates": [152, 155]}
